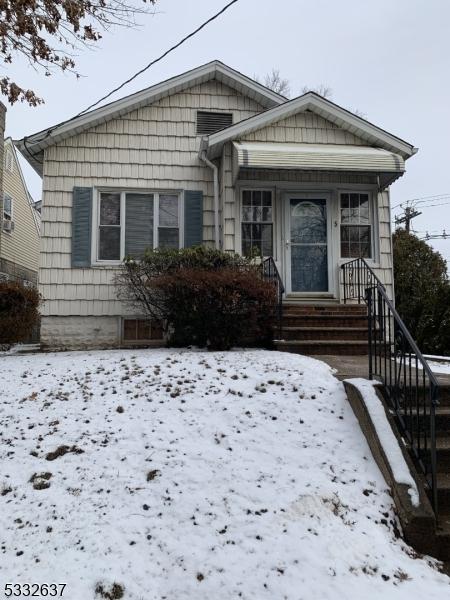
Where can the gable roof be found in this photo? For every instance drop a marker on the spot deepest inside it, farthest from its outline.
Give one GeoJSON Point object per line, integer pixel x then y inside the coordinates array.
{"type": "Point", "coordinates": [36, 218]}
{"type": "Point", "coordinates": [344, 119]}
{"type": "Point", "coordinates": [32, 146]}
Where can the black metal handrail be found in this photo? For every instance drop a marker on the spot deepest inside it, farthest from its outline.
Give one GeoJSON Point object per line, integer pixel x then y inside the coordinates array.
{"type": "Point", "coordinates": [410, 387]}
{"type": "Point", "coordinates": [357, 276]}
{"type": "Point", "coordinates": [270, 273]}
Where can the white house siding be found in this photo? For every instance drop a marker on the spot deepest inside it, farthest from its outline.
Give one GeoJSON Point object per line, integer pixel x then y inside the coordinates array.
{"type": "Point", "coordinates": [304, 127]}
{"type": "Point", "coordinates": [154, 147]}
{"type": "Point", "coordinates": [20, 248]}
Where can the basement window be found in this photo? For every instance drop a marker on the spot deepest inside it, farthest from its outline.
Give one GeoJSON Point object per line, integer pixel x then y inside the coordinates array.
{"type": "Point", "coordinates": [210, 122]}
{"type": "Point", "coordinates": [141, 330]}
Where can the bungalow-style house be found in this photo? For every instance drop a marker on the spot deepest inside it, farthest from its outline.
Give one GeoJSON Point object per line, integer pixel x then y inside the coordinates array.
{"type": "Point", "coordinates": [19, 223]}
{"type": "Point", "coordinates": [207, 157]}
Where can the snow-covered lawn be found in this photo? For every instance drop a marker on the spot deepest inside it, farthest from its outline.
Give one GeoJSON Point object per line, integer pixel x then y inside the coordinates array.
{"type": "Point", "coordinates": [194, 475]}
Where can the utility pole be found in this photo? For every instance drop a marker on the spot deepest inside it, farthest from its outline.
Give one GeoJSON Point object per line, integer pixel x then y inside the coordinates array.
{"type": "Point", "coordinates": [410, 214]}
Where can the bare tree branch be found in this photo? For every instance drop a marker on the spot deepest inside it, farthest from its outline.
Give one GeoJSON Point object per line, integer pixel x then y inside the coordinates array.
{"type": "Point", "coordinates": [47, 32]}
{"type": "Point", "coordinates": [323, 90]}
{"type": "Point", "coordinates": [276, 83]}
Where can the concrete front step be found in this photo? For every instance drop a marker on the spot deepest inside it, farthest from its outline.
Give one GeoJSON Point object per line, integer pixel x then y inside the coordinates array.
{"type": "Point", "coordinates": [443, 534]}
{"type": "Point", "coordinates": [443, 489]}
{"type": "Point", "coordinates": [443, 454]}
{"type": "Point", "coordinates": [324, 333]}
{"type": "Point", "coordinates": [324, 313]}
{"type": "Point", "coordinates": [317, 347]}
{"type": "Point", "coordinates": [318, 310]}
{"type": "Point", "coordinates": [442, 420]}
{"type": "Point", "coordinates": [307, 320]}
{"type": "Point", "coordinates": [444, 395]}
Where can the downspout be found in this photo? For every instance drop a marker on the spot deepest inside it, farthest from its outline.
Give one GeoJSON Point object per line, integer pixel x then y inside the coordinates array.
{"type": "Point", "coordinates": [215, 170]}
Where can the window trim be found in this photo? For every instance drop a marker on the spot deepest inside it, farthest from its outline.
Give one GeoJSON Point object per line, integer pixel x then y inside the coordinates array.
{"type": "Point", "coordinates": [95, 237]}
{"type": "Point", "coordinates": [371, 224]}
{"type": "Point", "coordinates": [241, 221]}
{"type": "Point", "coordinates": [10, 218]}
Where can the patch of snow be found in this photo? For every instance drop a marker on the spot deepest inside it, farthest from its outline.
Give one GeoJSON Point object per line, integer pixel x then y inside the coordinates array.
{"type": "Point", "coordinates": [439, 367]}
{"type": "Point", "coordinates": [186, 474]}
{"type": "Point", "coordinates": [390, 444]}
{"type": "Point", "coordinates": [438, 364]}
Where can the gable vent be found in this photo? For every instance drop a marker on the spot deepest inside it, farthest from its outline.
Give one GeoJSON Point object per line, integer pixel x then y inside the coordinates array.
{"type": "Point", "coordinates": [210, 122]}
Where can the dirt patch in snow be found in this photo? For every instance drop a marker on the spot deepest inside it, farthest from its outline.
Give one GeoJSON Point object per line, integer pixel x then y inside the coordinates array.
{"type": "Point", "coordinates": [62, 450]}
{"type": "Point", "coordinates": [113, 592]}
{"type": "Point", "coordinates": [41, 481]}
{"type": "Point", "coordinates": [153, 474]}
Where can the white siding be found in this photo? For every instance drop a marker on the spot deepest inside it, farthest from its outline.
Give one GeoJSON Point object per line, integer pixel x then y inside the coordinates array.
{"type": "Point", "coordinates": [21, 246]}
{"type": "Point", "coordinates": [304, 127]}
{"type": "Point", "coordinates": [385, 271]}
{"type": "Point", "coordinates": [154, 147]}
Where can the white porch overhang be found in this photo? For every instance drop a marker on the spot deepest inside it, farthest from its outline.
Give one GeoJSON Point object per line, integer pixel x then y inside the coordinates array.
{"type": "Point", "coordinates": [318, 157]}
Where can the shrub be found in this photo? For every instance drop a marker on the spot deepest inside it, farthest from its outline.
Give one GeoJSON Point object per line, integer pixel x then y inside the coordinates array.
{"type": "Point", "coordinates": [205, 297]}
{"type": "Point", "coordinates": [422, 292]}
{"type": "Point", "coordinates": [18, 311]}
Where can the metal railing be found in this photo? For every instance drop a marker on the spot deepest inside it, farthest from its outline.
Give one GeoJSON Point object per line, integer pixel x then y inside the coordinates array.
{"type": "Point", "coordinates": [270, 273]}
{"type": "Point", "coordinates": [410, 387]}
{"type": "Point", "coordinates": [357, 276]}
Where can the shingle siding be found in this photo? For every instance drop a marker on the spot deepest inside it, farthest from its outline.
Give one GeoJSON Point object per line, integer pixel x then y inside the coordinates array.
{"type": "Point", "coordinates": [156, 148]}
{"type": "Point", "coordinates": [151, 148]}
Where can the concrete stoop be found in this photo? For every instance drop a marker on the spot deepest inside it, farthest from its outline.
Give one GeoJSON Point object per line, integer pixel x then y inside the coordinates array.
{"type": "Point", "coordinates": [324, 329]}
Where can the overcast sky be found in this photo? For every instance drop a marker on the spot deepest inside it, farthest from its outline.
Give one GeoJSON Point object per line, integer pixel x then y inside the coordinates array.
{"type": "Point", "coordinates": [390, 59]}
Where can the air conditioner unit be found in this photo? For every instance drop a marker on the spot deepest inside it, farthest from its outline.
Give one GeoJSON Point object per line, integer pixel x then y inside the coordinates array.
{"type": "Point", "coordinates": [8, 225]}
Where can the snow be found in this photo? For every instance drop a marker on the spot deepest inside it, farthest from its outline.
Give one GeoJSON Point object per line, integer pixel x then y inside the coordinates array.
{"type": "Point", "coordinates": [438, 364]}
{"type": "Point", "coordinates": [389, 442]}
{"type": "Point", "coordinates": [439, 367]}
{"type": "Point", "coordinates": [202, 475]}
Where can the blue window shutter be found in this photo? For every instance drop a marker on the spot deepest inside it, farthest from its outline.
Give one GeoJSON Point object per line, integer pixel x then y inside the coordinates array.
{"type": "Point", "coordinates": [81, 226]}
{"type": "Point", "coordinates": [138, 224]}
{"type": "Point", "coordinates": [193, 218]}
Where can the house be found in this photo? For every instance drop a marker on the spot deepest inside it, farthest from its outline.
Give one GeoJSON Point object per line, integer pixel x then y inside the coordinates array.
{"type": "Point", "coordinates": [19, 223]}
{"type": "Point", "coordinates": [210, 156]}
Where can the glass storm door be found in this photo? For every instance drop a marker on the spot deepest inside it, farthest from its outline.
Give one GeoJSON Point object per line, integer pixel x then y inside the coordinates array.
{"type": "Point", "coordinates": [308, 245]}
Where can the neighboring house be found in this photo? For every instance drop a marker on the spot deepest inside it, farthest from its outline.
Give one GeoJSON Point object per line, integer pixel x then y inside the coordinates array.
{"type": "Point", "coordinates": [210, 156]}
{"type": "Point", "coordinates": [19, 223]}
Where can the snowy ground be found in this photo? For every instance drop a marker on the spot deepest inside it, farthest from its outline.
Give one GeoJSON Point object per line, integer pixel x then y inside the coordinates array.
{"type": "Point", "coordinates": [440, 367]}
{"type": "Point", "coordinates": [194, 475]}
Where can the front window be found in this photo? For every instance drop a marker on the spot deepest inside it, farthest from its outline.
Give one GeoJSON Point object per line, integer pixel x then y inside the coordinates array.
{"type": "Point", "coordinates": [130, 222]}
{"type": "Point", "coordinates": [257, 223]}
{"type": "Point", "coordinates": [7, 212]}
{"type": "Point", "coordinates": [356, 226]}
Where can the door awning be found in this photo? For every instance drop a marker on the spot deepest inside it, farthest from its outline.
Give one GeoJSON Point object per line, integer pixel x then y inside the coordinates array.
{"type": "Point", "coordinates": [317, 157]}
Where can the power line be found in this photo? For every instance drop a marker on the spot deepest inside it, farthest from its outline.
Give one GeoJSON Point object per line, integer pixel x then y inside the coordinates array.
{"type": "Point", "coordinates": [436, 236]}
{"type": "Point", "coordinates": [407, 217]}
{"type": "Point", "coordinates": [421, 200]}
{"type": "Point", "coordinates": [119, 87]}
{"type": "Point", "coordinates": [153, 62]}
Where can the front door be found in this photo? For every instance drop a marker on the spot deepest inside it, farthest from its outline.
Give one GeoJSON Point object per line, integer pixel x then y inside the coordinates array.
{"type": "Point", "coordinates": [307, 245]}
